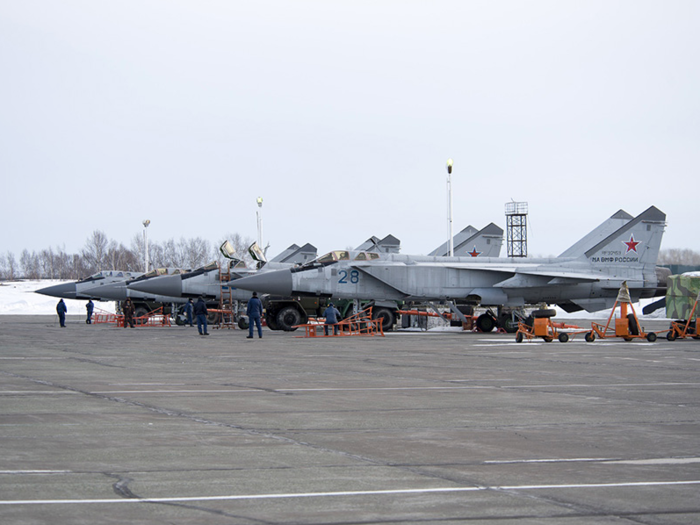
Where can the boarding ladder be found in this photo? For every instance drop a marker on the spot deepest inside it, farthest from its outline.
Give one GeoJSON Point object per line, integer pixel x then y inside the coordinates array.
{"type": "Point", "coordinates": [227, 312]}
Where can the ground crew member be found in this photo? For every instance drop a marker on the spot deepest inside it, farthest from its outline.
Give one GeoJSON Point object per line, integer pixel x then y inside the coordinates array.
{"type": "Point", "coordinates": [90, 306]}
{"type": "Point", "coordinates": [332, 316]}
{"type": "Point", "coordinates": [200, 311]}
{"type": "Point", "coordinates": [254, 312]}
{"type": "Point", "coordinates": [128, 310]}
{"type": "Point", "coordinates": [188, 311]}
{"type": "Point", "coordinates": [61, 311]}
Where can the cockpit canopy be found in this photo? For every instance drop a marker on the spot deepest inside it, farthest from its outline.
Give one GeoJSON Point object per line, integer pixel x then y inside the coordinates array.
{"type": "Point", "coordinates": [109, 273]}
{"type": "Point", "coordinates": [340, 255]}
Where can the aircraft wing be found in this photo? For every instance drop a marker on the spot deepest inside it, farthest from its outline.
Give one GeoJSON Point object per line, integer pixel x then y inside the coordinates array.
{"type": "Point", "coordinates": [563, 275]}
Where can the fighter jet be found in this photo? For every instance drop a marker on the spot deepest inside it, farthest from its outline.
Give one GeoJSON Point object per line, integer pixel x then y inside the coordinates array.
{"type": "Point", "coordinates": [207, 280]}
{"type": "Point", "coordinates": [120, 291]}
{"type": "Point", "coordinates": [589, 280]}
{"type": "Point", "coordinates": [471, 242]}
{"type": "Point", "coordinates": [79, 289]}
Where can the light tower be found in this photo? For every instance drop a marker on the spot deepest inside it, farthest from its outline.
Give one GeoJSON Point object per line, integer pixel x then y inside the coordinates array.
{"type": "Point", "coordinates": [145, 242]}
{"type": "Point", "coordinates": [449, 207]}
{"type": "Point", "coordinates": [258, 214]}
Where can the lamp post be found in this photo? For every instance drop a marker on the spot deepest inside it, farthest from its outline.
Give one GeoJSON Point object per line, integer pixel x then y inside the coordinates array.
{"type": "Point", "coordinates": [145, 242]}
{"type": "Point", "coordinates": [258, 214]}
{"type": "Point", "coordinates": [449, 206]}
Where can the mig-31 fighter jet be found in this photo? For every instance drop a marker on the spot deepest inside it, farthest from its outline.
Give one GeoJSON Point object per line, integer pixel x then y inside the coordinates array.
{"type": "Point", "coordinates": [87, 288]}
{"type": "Point", "coordinates": [586, 277]}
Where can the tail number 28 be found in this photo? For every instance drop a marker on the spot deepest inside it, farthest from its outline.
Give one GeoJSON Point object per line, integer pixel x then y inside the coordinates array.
{"type": "Point", "coordinates": [346, 277]}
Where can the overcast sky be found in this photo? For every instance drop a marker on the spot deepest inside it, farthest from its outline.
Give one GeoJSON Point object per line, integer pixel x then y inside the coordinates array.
{"type": "Point", "coordinates": [341, 115]}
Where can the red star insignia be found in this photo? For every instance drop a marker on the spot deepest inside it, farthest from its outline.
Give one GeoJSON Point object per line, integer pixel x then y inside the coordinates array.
{"type": "Point", "coordinates": [474, 253]}
{"type": "Point", "coordinates": [632, 244]}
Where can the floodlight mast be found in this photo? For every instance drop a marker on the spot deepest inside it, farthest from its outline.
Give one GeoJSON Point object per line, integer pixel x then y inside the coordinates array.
{"type": "Point", "coordinates": [450, 163]}
{"type": "Point", "coordinates": [258, 214]}
{"type": "Point", "coordinates": [145, 242]}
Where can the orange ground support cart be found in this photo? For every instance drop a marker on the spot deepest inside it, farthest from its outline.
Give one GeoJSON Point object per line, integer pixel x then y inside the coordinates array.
{"type": "Point", "coordinates": [626, 325]}
{"type": "Point", "coordinates": [687, 328]}
{"type": "Point", "coordinates": [542, 326]}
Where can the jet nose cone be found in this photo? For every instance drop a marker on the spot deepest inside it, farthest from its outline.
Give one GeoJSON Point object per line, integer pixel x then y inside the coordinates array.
{"type": "Point", "coordinates": [65, 290]}
{"type": "Point", "coordinates": [275, 283]}
{"type": "Point", "coordinates": [170, 285]}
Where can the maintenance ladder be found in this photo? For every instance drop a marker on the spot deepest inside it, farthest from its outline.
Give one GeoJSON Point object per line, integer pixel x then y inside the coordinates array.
{"type": "Point", "coordinates": [360, 324]}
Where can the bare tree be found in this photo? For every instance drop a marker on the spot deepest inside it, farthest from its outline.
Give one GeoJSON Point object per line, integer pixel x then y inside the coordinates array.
{"type": "Point", "coordinates": [31, 269]}
{"type": "Point", "coordinates": [47, 259]}
{"type": "Point", "coordinates": [11, 265]}
{"type": "Point", "coordinates": [121, 258]}
{"type": "Point", "coordinates": [94, 253]}
{"type": "Point", "coordinates": [195, 252]}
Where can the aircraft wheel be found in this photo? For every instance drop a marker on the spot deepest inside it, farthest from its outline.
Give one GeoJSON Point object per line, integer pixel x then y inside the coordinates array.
{"type": "Point", "coordinates": [651, 337]}
{"type": "Point", "coordinates": [485, 323]}
{"type": "Point", "coordinates": [544, 313]}
{"type": "Point", "coordinates": [140, 311]}
{"type": "Point", "coordinates": [288, 317]}
{"type": "Point", "coordinates": [387, 317]}
{"type": "Point", "coordinates": [213, 318]}
{"type": "Point", "coordinates": [243, 323]}
{"type": "Point", "coordinates": [509, 324]}
{"type": "Point", "coordinates": [671, 335]}
{"type": "Point", "coordinates": [519, 337]}
{"type": "Point", "coordinates": [563, 337]}
{"type": "Point", "coordinates": [590, 337]}
{"type": "Point", "coordinates": [634, 326]}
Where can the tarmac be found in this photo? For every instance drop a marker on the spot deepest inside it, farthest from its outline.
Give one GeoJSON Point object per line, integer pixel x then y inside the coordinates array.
{"type": "Point", "coordinates": [100, 424]}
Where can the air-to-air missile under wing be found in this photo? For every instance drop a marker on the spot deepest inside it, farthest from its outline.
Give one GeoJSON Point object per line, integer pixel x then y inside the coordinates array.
{"type": "Point", "coordinates": [589, 281]}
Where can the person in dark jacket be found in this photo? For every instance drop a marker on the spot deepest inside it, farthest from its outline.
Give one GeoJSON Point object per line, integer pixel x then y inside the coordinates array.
{"type": "Point", "coordinates": [200, 311]}
{"type": "Point", "coordinates": [254, 312]}
{"type": "Point", "coordinates": [61, 311]}
{"type": "Point", "coordinates": [128, 309]}
{"type": "Point", "coordinates": [332, 316]}
{"type": "Point", "coordinates": [188, 311]}
{"type": "Point", "coordinates": [90, 306]}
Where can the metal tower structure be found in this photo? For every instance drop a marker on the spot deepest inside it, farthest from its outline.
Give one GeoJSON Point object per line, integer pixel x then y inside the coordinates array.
{"type": "Point", "coordinates": [516, 229]}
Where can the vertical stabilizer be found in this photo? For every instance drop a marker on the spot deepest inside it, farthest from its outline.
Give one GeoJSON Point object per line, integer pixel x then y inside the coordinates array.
{"type": "Point", "coordinates": [471, 242]}
{"type": "Point", "coordinates": [614, 223]}
{"type": "Point", "coordinates": [635, 244]}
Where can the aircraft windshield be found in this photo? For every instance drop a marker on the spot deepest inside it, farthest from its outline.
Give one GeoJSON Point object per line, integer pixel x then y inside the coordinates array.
{"type": "Point", "coordinates": [366, 256]}
{"type": "Point", "coordinates": [102, 274]}
{"type": "Point", "coordinates": [339, 255]}
{"type": "Point", "coordinates": [331, 257]}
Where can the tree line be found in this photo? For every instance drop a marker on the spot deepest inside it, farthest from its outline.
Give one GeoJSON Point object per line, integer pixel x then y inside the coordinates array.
{"type": "Point", "coordinates": [101, 253]}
